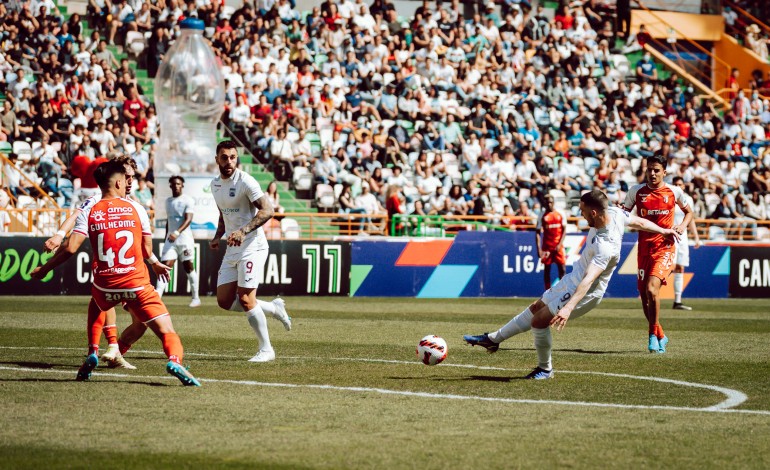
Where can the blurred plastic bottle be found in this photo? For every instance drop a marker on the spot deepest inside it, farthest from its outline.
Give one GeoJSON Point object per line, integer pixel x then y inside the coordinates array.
{"type": "Point", "coordinates": [190, 99]}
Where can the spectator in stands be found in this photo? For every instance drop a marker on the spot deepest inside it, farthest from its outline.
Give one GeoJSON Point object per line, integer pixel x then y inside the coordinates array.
{"type": "Point", "coordinates": [274, 197]}
{"type": "Point", "coordinates": [142, 194]}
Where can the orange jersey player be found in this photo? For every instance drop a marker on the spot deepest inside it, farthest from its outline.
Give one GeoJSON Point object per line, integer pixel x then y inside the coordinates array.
{"type": "Point", "coordinates": [119, 231]}
{"type": "Point", "coordinates": [655, 201]}
{"type": "Point", "coordinates": [551, 228]}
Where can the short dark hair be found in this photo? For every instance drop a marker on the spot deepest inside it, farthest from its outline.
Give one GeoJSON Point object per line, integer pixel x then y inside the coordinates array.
{"type": "Point", "coordinates": [677, 179]}
{"type": "Point", "coordinates": [657, 158]}
{"type": "Point", "coordinates": [104, 173]}
{"type": "Point", "coordinates": [595, 199]}
{"type": "Point", "coordinates": [226, 144]}
{"type": "Point", "coordinates": [176, 177]}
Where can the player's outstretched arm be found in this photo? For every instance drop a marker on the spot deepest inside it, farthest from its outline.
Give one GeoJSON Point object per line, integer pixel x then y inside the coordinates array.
{"type": "Point", "coordinates": [69, 249]}
{"type": "Point", "coordinates": [638, 223]}
{"type": "Point", "coordinates": [53, 243]}
{"type": "Point", "coordinates": [592, 273]}
{"type": "Point", "coordinates": [264, 213]}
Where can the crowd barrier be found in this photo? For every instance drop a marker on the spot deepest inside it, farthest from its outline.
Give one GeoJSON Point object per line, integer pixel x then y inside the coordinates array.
{"type": "Point", "coordinates": [472, 264]}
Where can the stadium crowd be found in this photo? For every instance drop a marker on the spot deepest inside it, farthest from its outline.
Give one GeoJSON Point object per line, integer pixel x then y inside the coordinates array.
{"type": "Point", "coordinates": [439, 113]}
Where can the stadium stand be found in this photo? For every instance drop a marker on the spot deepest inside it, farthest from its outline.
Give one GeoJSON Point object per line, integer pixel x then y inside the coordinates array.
{"type": "Point", "coordinates": [497, 106]}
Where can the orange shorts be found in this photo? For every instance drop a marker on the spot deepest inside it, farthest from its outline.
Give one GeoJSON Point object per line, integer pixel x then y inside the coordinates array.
{"type": "Point", "coordinates": [658, 264]}
{"type": "Point", "coordinates": [553, 256]}
{"type": "Point", "coordinates": [144, 304]}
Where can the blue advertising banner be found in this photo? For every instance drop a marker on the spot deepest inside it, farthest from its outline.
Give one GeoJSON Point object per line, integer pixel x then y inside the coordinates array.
{"type": "Point", "coordinates": [505, 264]}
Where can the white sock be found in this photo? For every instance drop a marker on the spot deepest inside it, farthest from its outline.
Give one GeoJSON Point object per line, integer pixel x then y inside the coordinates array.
{"type": "Point", "coordinates": [258, 323]}
{"type": "Point", "coordinates": [518, 324]}
{"type": "Point", "coordinates": [161, 286]}
{"type": "Point", "coordinates": [678, 284]}
{"type": "Point", "coordinates": [543, 342]}
{"type": "Point", "coordinates": [192, 276]}
{"type": "Point", "coordinates": [236, 306]}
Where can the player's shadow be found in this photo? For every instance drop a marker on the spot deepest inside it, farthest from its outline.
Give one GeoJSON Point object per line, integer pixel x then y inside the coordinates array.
{"type": "Point", "coordinates": [576, 350]}
{"type": "Point", "coordinates": [479, 378]}
{"type": "Point", "coordinates": [92, 382]}
{"type": "Point", "coordinates": [34, 365]}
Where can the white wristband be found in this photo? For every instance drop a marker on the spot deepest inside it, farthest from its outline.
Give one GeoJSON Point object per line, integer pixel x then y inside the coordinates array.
{"type": "Point", "coordinates": [61, 233]}
{"type": "Point", "coordinates": [175, 233]}
{"type": "Point", "coordinates": [153, 259]}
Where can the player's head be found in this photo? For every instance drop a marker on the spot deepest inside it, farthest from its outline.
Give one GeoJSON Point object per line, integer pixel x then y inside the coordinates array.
{"type": "Point", "coordinates": [593, 205]}
{"type": "Point", "coordinates": [227, 157]}
{"type": "Point", "coordinates": [111, 177]}
{"type": "Point", "coordinates": [130, 165]}
{"type": "Point", "coordinates": [678, 181]}
{"type": "Point", "coordinates": [656, 169]}
{"type": "Point", "coordinates": [548, 203]}
{"type": "Point", "coordinates": [176, 183]}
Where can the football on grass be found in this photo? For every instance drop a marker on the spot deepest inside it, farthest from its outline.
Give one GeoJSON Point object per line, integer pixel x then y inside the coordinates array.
{"type": "Point", "coordinates": [431, 350]}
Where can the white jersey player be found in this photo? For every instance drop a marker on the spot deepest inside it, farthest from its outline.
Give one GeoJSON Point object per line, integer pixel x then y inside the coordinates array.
{"type": "Point", "coordinates": [683, 248]}
{"type": "Point", "coordinates": [179, 242]}
{"type": "Point", "coordinates": [581, 289]}
{"type": "Point", "coordinates": [243, 210]}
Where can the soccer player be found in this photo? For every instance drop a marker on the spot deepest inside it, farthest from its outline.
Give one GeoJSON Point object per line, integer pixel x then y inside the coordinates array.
{"type": "Point", "coordinates": [655, 201]}
{"type": "Point", "coordinates": [579, 291]}
{"type": "Point", "coordinates": [243, 210]}
{"type": "Point", "coordinates": [119, 232]}
{"type": "Point", "coordinates": [551, 229]}
{"type": "Point", "coordinates": [683, 247]}
{"type": "Point", "coordinates": [112, 357]}
{"type": "Point", "coordinates": [179, 239]}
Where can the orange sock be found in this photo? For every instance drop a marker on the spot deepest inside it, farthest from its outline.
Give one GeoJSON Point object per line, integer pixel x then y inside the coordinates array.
{"type": "Point", "coordinates": [653, 329]}
{"type": "Point", "coordinates": [96, 319]}
{"type": "Point", "coordinates": [172, 346]}
{"type": "Point", "coordinates": [659, 331]}
{"type": "Point", "coordinates": [111, 333]}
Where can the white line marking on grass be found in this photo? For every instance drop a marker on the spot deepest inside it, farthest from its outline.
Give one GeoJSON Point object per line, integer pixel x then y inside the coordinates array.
{"type": "Point", "coordinates": [385, 391]}
{"type": "Point", "coordinates": [734, 397]}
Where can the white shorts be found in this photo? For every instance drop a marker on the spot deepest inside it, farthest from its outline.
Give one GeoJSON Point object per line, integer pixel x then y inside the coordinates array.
{"type": "Point", "coordinates": [244, 267]}
{"type": "Point", "coordinates": [557, 297]}
{"type": "Point", "coordinates": [683, 253]}
{"type": "Point", "coordinates": [183, 252]}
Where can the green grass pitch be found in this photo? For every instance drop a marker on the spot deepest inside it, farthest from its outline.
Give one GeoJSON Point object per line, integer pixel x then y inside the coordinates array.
{"type": "Point", "coordinates": [347, 391]}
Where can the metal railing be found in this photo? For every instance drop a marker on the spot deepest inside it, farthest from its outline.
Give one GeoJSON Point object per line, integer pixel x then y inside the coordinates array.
{"type": "Point", "coordinates": [312, 226]}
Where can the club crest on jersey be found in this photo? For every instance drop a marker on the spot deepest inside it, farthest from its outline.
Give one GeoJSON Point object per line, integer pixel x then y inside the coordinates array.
{"type": "Point", "coordinates": [665, 199]}
{"type": "Point", "coordinates": [232, 192]}
{"type": "Point", "coordinates": [98, 216]}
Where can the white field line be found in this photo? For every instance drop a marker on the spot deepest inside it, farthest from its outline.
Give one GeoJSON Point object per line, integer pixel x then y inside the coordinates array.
{"type": "Point", "coordinates": [734, 397]}
{"type": "Point", "coordinates": [385, 391]}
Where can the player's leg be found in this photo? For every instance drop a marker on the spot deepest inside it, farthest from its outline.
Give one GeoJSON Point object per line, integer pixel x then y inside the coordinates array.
{"type": "Point", "coordinates": [168, 257]}
{"type": "Point", "coordinates": [192, 276]}
{"type": "Point", "coordinates": [519, 324]}
{"type": "Point", "coordinates": [247, 297]}
{"type": "Point", "coordinates": [547, 275]}
{"type": "Point", "coordinates": [541, 332]}
{"type": "Point", "coordinates": [682, 261]}
{"type": "Point", "coordinates": [653, 304]}
{"type": "Point", "coordinates": [562, 269]}
{"type": "Point", "coordinates": [149, 309]}
{"type": "Point", "coordinates": [641, 284]}
{"type": "Point", "coordinates": [560, 259]}
{"type": "Point", "coordinates": [113, 357]}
